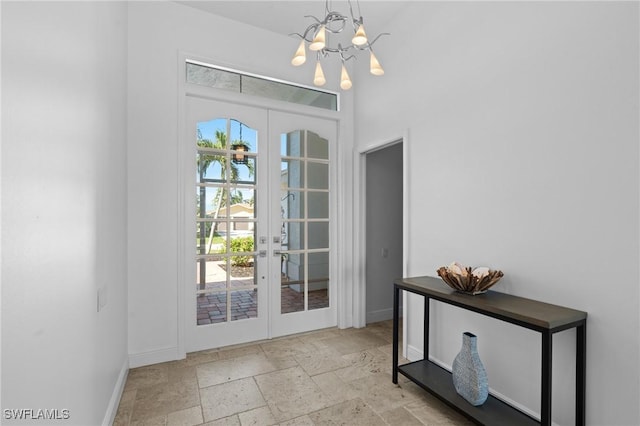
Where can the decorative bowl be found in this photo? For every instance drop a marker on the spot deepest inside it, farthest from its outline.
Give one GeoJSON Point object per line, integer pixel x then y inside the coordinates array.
{"type": "Point", "coordinates": [469, 280]}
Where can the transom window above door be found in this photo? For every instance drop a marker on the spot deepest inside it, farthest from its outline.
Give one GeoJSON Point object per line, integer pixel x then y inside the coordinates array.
{"type": "Point", "coordinates": [239, 82]}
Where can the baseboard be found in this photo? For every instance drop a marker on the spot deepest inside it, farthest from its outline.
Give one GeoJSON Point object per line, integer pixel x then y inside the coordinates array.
{"type": "Point", "coordinates": [114, 402]}
{"type": "Point", "coordinates": [153, 357]}
{"type": "Point", "coordinates": [415, 354]}
{"type": "Point", "coordinates": [380, 315]}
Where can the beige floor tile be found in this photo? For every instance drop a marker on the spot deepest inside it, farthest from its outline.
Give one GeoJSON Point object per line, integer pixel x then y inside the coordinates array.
{"type": "Point", "coordinates": [181, 374]}
{"type": "Point", "coordinates": [238, 351]}
{"type": "Point", "coordinates": [214, 373]}
{"type": "Point", "coordinates": [355, 341]}
{"type": "Point", "coordinates": [147, 376]}
{"type": "Point", "coordinates": [230, 398]}
{"type": "Point", "coordinates": [400, 417]}
{"type": "Point", "coordinates": [431, 411]}
{"type": "Point", "coordinates": [289, 347]}
{"type": "Point", "coordinates": [154, 421]}
{"type": "Point", "coordinates": [299, 421]}
{"type": "Point", "coordinates": [320, 361]}
{"type": "Point", "coordinates": [334, 387]}
{"type": "Point", "coordinates": [187, 417]}
{"type": "Point", "coordinates": [123, 415]}
{"type": "Point", "coordinates": [351, 413]}
{"type": "Point", "coordinates": [365, 363]}
{"type": "Point", "coordinates": [291, 393]}
{"type": "Point", "coordinates": [163, 399]}
{"type": "Point", "coordinates": [227, 421]}
{"type": "Point", "coordinates": [382, 395]}
{"type": "Point", "coordinates": [314, 336]}
{"type": "Point", "coordinates": [257, 417]}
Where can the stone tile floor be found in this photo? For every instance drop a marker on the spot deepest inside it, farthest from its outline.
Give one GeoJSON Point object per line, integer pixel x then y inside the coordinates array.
{"type": "Point", "coordinates": [326, 377]}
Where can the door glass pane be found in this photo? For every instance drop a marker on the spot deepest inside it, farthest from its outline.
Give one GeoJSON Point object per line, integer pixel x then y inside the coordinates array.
{"type": "Point", "coordinates": [292, 283]}
{"type": "Point", "coordinates": [211, 237]}
{"type": "Point", "coordinates": [318, 207]}
{"type": "Point", "coordinates": [208, 200]}
{"type": "Point", "coordinates": [244, 304]}
{"type": "Point", "coordinates": [243, 167]}
{"type": "Point", "coordinates": [241, 134]}
{"type": "Point", "coordinates": [318, 235]}
{"type": "Point", "coordinates": [317, 147]}
{"type": "Point", "coordinates": [292, 204]}
{"type": "Point", "coordinates": [318, 175]}
{"type": "Point", "coordinates": [318, 280]}
{"type": "Point", "coordinates": [209, 167]}
{"type": "Point", "coordinates": [293, 236]}
{"type": "Point", "coordinates": [292, 173]}
{"type": "Point", "coordinates": [291, 144]}
{"type": "Point", "coordinates": [212, 308]}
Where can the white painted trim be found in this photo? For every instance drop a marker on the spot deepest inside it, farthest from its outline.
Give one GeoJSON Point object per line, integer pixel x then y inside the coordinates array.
{"type": "Point", "coordinates": [406, 226]}
{"type": "Point", "coordinates": [116, 395]}
{"type": "Point", "coordinates": [360, 218]}
{"type": "Point", "coordinates": [181, 228]}
{"type": "Point", "coordinates": [381, 315]}
{"type": "Point", "coordinates": [153, 357]}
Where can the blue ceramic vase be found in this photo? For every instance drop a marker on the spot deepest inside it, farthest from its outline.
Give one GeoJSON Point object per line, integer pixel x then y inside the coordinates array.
{"type": "Point", "coordinates": [469, 375]}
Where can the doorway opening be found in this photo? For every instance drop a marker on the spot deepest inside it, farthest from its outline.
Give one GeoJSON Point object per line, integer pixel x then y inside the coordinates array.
{"type": "Point", "coordinates": [384, 217]}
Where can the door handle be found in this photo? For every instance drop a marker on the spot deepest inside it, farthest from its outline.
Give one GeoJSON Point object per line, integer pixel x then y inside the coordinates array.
{"type": "Point", "coordinates": [262, 253]}
{"type": "Point", "coordinates": [277, 253]}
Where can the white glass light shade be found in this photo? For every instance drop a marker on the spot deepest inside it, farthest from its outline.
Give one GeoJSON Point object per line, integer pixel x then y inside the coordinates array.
{"type": "Point", "coordinates": [318, 78]}
{"type": "Point", "coordinates": [319, 40]}
{"type": "Point", "coordinates": [345, 81]}
{"type": "Point", "coordinates": [360, 38]}
{"type": "Point", "coordinates": [375, 67]}
{"type": "Point", "coordinates": [300, 56]}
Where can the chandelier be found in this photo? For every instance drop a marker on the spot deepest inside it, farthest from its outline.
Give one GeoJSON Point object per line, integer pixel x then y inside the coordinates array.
{"type": "Point", "coordinates": [318, 35]}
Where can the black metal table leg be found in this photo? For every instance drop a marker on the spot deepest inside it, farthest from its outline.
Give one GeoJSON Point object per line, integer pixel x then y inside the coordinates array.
{"type": "Point", "coordinates": [396, 308]}
{"type": "Point", "coordinates": [545, 404]}
{"type": "Point", "coordinates": [581, 373]}
{"type": "Point", "coordinates": [425, 344]}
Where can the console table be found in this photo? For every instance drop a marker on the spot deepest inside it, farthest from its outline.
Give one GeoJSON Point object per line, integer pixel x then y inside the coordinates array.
{"type": "Point", "coordinates": [542, 317]}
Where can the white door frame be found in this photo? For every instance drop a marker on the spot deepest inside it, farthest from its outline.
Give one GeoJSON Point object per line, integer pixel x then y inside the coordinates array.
{"type": "Point", "coordinates": [360, 168]}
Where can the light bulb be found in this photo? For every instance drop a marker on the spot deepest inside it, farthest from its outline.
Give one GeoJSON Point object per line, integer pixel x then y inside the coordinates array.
{"type": "Point", "coordinates": [318, 78]}
{"type": "Point", "coordinates": [345, 81]}
{"type": "Point", "coordinates": [318, 42]}
{"type": "Point", "coordinates": [300, 56]}
{"type": "Point", "coordinates": [360, 38]}
{"type": "Point", "coordinates": [375, 67]}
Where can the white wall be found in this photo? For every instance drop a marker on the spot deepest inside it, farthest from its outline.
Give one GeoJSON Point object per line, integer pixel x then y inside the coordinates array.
{"type": "Point", "coordinates": [158, 33]}
{"type": "Point", "coordinates": [523, 123]}
{"type": "Point", "coordinates": [63, 208]}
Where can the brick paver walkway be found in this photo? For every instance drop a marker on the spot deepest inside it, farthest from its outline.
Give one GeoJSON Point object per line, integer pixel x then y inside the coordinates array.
{"type": "Point", "coordinates": [212, 307]}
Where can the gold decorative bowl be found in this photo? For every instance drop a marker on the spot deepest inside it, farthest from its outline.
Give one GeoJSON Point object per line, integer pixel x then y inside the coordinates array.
{"type": "Point", "coordinates": [469, 280]}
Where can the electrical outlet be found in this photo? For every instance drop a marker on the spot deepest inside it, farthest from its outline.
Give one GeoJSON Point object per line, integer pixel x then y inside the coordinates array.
{"type": "Point", "coordinates": [385, 252]}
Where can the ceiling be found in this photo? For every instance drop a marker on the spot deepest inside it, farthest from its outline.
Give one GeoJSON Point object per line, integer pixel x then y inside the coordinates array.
{"type": "Point", "coordinates": [287, 16]}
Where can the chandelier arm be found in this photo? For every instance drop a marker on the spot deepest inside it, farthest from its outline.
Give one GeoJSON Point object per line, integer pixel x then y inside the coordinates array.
{"type": "Point", "coordinates": [376, 39]}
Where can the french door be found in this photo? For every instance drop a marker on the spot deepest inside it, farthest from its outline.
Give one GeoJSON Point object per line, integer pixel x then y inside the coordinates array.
{"type": "Point", "coordinates": [261, 264]}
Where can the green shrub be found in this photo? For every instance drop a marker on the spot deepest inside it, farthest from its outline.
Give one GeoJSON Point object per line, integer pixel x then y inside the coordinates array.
{"type": "Point", "coordinates": [242, 244]}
